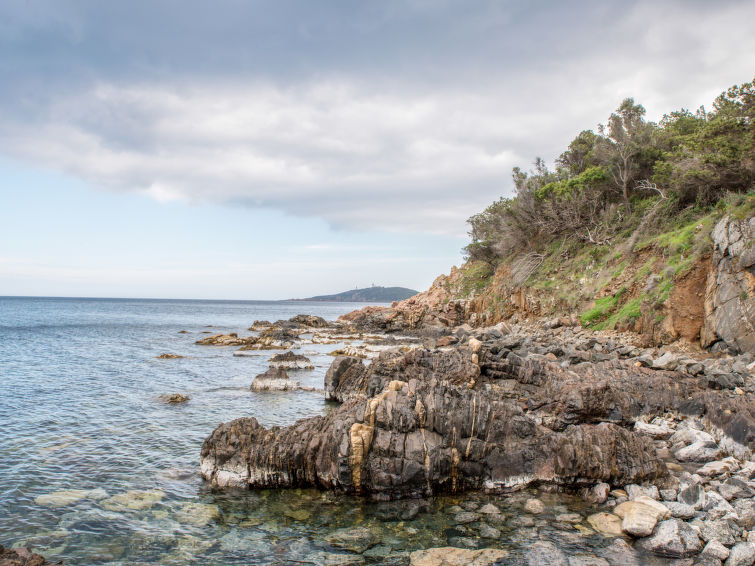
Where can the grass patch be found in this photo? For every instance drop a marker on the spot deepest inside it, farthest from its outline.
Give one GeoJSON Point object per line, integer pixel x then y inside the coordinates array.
{"type": "Point", "coordinates": [601, 309]}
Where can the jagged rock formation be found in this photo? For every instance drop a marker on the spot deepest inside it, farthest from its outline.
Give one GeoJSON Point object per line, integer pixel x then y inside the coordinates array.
{"type": "Point", "coordinates": [431, 421]}
{"type": "Point", "coordinates": [274, 379]}
{"type": "Point", "coordinates": [289, 360]}
{"type": "Point", "coordinates": [730, 289]}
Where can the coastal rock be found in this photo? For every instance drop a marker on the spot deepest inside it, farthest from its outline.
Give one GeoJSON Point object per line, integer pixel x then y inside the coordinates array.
{"type": "Point", "coordinates": [310, 321]}
{"type": "Point", "coordinates": [672, 538]}
{"type": "Point", "coordinates": [639, 517]}
{"type": "Point", "coordinates": [174, 398]}
{"type": "Point", "coordinates": [274, 379]}
{"type": "Point", "coordinates": [730, 289]}
{"type": "Point", "coordinates": [231, 339]}
{"type": "Point", "coordinates": [289, 360]}
{"type": "Point", "coordinates": [169, 357]}
{"type": "Point", "coordinates": [417, 424]}
{"type": "Point", "coordinates": [451, 556]}
{"type": "Point", "coordinates": [344, 378]}
{"type": "Point", "coordinates": [22, 557]}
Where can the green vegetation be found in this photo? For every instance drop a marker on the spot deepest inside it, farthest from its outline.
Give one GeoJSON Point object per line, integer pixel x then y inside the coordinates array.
{"type": "Point", "coordinates": [628, 207]}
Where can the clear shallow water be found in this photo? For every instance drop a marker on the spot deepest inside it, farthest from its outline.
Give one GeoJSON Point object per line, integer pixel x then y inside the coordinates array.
{"type": "Point", "coordinates": [94, 469]}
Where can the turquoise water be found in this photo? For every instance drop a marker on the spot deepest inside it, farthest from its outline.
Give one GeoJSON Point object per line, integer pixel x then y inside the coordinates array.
{"type": "Point", "coordinates": [94, 469]}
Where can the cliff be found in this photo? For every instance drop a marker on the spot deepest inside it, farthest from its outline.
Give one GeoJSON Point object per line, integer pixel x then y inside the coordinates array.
{"type": "Point", "coordinates": [692, 283]}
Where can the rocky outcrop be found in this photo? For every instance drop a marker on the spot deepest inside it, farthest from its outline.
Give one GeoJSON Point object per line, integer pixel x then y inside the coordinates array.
{"type": "Point", "coordinates": [450, 420]}
{"type": "Point", "coordinates": [289, 360]}
{"type": "Point", "coordinates": [274, 379]}
{"type": "Point", "coordinates": [344, 378]}
{"type": "Point", "coordinates": [730, 290]}
{"type": "Point", "coordinates": [22, 557]}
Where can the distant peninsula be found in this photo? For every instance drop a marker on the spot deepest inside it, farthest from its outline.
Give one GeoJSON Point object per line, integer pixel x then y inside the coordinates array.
{"type": "Point", "coordinates": [367, 295]}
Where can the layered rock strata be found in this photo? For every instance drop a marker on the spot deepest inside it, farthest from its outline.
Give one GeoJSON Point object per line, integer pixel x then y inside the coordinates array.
{"type": "Point", "coordinates": [476, 416]}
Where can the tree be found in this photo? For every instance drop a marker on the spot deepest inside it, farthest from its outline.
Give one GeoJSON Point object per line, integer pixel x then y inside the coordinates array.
{"type": "Point", "coordinates": [625, 136]}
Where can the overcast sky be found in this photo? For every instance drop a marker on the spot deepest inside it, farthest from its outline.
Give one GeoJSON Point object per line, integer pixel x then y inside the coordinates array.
{"type": "Point", "coordinates": [241, 149]}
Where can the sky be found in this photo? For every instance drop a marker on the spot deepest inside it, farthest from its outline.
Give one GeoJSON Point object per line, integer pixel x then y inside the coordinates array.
{"type": "Point", "coordinates": [268, 150]}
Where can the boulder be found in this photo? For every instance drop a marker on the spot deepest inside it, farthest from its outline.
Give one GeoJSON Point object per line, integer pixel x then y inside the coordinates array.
{"type": "Point", "coordinates": [343, 378]}
{"type": "Point", "coordinates": [450, 556]}
{"type": "Point", "coordinates": [274, 379]}
{"type": "Point", "coordinates": [673, 539]}
{"type": "Point", "coordinates": [289, 360]}
{"type": "Point", "coordinates": [741, 554]}
{"type": "Point", "coordinates": [546, 554]}
{"type": "Point", "coordinates": [606, 524]}
{"type": "Point", "coordinates": [639, 517]}
{"type": "Point", "coordinates": [716, 550]}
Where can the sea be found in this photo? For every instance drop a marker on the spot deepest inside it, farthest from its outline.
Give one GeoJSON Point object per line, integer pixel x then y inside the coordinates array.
{"type": "Point", "coordinates": [96, 469]}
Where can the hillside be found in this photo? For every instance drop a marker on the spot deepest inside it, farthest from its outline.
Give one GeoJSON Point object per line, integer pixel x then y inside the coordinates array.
{"type": "Point", "coordinates": [367, 295]}
{"type": "Point", "coordinates": [642, 227]}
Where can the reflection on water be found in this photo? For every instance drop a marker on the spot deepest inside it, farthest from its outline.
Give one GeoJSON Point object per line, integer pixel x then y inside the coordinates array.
{"type": "Point", "coordinates": [95, 470]}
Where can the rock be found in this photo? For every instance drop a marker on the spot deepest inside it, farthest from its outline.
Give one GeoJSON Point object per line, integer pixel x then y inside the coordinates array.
{"type": "Point", "coordinates": [606, 524]}
{"type": "Point", "coordinates": [309, 320]}
{"type": "Point", "coordinates": [734, 488]}
{"type": "Point", "coordinates": [274, 379]}
{"type": "Point", "coordinates": [692, 495]}
{"type": "Point", "coordinates": [343, 377]}
{"type": "Point", "coordinates": [653, 431]}
{"type": "Point", "coordinates": [597, 493]}
{"type": "Point", "coordinates": [716, 506]}
{"type": "Point", "coordinates": [620, 553]}
{"type": "Point", "coordinates": [729, 297]}
{"type": "Point", "coordinates": [712, 469]}
{"type": "Point", "coordinates": [174, 398]}
{"type": "Point", "coordinates": [546, 554]}
{"type": "Point", "coordinates": [719, 530]}
{"type": "Point", "coordinates": [699, 451]}
{"type": "Point", "coordinates": [198, 514]}
{"type": "Point", "coordinates": [169, 357]}
{"type": "Point", "coordinates": [741, 554]}
{"type": "Point", "coordinates": [639, 517]}
{"type": "Point", "coordinates": [680, 510]}
{"type": "Point", "coordinates": [486, 531]}
{"type": "Point", "coordinates": [466, 517]}
{"type": "Point", "coordinates": [67, 497]}
{"type": "Point", "coordinates": [715, 549]}
{"type": "Point", "coordinates": [534, 506]}
{"type": "Point", "coordinates": [745, 510]}
{"type": "Point", "coordinates": [412, 423]}
{"type": "Point", "coordinates": [355, 539]}
{"type": "Point", "coordinates": [231, 339]}
{"type": "Point", "coordinates": [133, 500]}
{"type": "Point", "coordinates": [672, 538]}
{"type": "Point", "coordinates": [22, 557]}
{"type": "Point", "coordinates": [450, 556]}
{"type": "Point", "coordinates": [587, 560]}
{"type": "Point", "coordinates": [667, 361]}
{"type": "Point", "coordinates": [289, 360]}
{"type": "Point", "coordinates": [489, 509]}
{"type": "Point", "coordinates": [635, 491]}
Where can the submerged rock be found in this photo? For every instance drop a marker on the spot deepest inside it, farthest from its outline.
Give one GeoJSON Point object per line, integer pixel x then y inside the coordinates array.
{"type": "Point", "coordinates": [356, 539]}
{"type": "Point", "coordinates": [450, 556]}
{"type": "Point", "coordinates": [174, 398]}
{"type": "Point", "coordinates": [169, 356]}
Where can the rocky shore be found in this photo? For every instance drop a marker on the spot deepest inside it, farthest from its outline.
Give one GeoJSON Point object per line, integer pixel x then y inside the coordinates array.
{"type": "Point", "coordinates": [659, 441]}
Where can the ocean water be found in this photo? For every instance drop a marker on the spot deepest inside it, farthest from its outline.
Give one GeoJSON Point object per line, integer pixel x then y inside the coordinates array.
{"type": "Point", "coordinates": [94, 469]}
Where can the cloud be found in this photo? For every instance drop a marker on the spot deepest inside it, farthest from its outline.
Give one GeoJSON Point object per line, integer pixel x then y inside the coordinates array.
{"type": "Point", "coordinates": [399, 116]}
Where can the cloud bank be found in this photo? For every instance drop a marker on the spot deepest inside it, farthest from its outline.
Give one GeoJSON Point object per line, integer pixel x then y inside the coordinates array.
{"type": "Point", "coordinates": [398, 116]}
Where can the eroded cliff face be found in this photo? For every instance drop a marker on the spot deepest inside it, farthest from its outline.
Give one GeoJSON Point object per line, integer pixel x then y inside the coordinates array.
{"type": "Point", "coordinates": [712, 301]}
{"type": "Point", "coordinates": [730, 291]}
